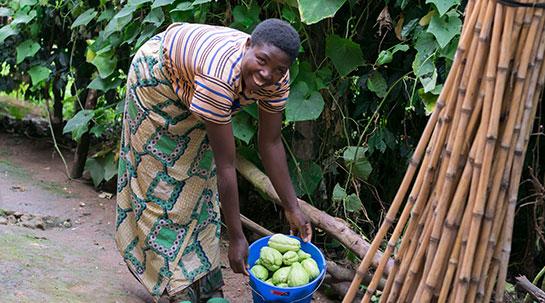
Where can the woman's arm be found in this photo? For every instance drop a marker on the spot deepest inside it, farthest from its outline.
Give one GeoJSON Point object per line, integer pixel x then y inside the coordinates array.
{"type": "Point", "coordinates": [223, 147]}
{"type": "Point", "coordinates": [273, 155]}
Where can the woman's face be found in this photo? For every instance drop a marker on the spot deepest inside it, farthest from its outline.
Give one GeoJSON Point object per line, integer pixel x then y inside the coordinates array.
{"type": "Point", "coordinates": [263, 65]}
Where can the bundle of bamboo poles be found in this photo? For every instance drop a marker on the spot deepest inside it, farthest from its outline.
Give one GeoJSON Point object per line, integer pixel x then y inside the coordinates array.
{"type": "Point", "coordinates": [458, 218]}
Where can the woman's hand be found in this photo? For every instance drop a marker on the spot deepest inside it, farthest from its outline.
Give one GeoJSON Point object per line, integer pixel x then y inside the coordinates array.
{"type": "Point", "coordinates": [238, 256]}
{"type": "Point", "coordinates": [299, 224]}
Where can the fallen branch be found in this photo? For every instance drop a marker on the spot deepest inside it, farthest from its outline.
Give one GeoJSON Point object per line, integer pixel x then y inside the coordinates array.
{"type": "Point", "coordinates": [320, 219]}
{"type": "Point", "coordinates": [534, 291]}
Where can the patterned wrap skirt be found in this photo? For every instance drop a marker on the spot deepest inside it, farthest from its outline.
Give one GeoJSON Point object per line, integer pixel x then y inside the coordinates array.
{"type": "Point", "coordinates": [168, 215]}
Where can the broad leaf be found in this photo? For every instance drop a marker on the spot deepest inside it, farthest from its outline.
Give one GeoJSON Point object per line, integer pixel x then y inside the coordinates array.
{"type": "Point", "coordinates": [96, 170]}
{"type": "Point", "coordinates": [24, 3]}
{"type": "Point", "coordinates": [105, 84]}
{"type": "Point", "coordinates": [352, 203]}
{"type": "Point", "coordinates": [147, 32]}
{"type": "Point", "coordinates": [27, 49]}
{"type": "Point", "coordinates": [109, 164]}
{"type": "Point", "coordinates": [252, 110]}
{"type": "Point", "coordinates": [80, 120]}
{"type": "Point", "coordinates": [155, 17]}
{"type": "Point", "coordinates": [22, 17]}
{"type": "Point", "coordinates": [244, 16]}
{"type": "Point", "coordinates": [5, 12]}
{"type": "Point", "coordinates": [339, 194]}
{"type": "Point", "coordinates": [38, 74]}
{"type": "Point", "coordinates": [107, 14]}
{"type": "Point", "coordinates": [196, 2]}
{"type": "Point", "coordinates": [301, 105]}
{"type": "Point", "coordinates": [242, 127]}
{"type": "Point", "coordinates": [183, 6]}
{"type": "Point", "coordinates": [445, 28]}
{"type": "Point", "coordinates": [377, 84]}
{"type": "Point", "coordinates": [137, 2]}
{"type": "Point", "coordinates": [84, 18]}
{"type": "Point", "coordinates": [443, 5]}
{"type": "Point", "coordinates": [7, 31]}
{"type": "Point", "coordinates": [345, 54]}
{"type": "Point", "coordinates": [160, 3]}
{"type": "Point", "coordinates": [408, 28]}
{"type": "Point", "coordinates": [127, 10]}
{"type": "Point", "coordinates": [118, 23]}
{"type": "Point", "coordinates": [356, 156]}
{"type": "Point", "coordinates": [98, 129]}
{"type": "Point", "coordinates": [105, 63]}
{"type": "Point", "coordinates": [313, 11]}
{"type": "Point", "coordinates": [312, 175]}
{"type": "Point", "coordinates": [426, 72]}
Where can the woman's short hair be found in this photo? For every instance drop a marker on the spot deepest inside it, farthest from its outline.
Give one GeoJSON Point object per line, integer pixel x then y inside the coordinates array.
{"type": "Point", "coordinates": [277, 33]}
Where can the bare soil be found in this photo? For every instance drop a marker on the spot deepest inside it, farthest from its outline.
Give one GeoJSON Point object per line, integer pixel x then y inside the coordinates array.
{"type": "Point", "coordinates": [57, 235]}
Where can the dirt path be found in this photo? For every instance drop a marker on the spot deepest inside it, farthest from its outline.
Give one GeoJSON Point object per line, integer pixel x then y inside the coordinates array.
{"type": "Point", "coordinates": [56, 244]}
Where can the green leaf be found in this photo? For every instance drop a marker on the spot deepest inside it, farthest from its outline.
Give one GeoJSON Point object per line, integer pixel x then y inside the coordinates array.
{"type": "Point", "coordinates": [116, 24]}
{"type": "Point", "coordinates": [400, 47]}
{"type": "Point", "coordinates": [313, 11]}
{"type": "Point", "coordinates": [105, 63]}
{"type": "Point", "coordinates": [22, 17]}
{"type": "Point", "coordinates": [244, 16]}
{"type": "Point", "coordinates": [80, 120]}
{"type": "Point", "coordinates": [426, 72]}
{"type": "Point", "coordinates": [155, 17]}
{"type": "Point", "coordinates": [160, 3]}
{"type": "Point", "coordinates": [443, 5]}
{"type": "Point", "coordinates": [183, 6]}
{"type": "Point", "coordinates": [445, 28]}
{"type": "Point", "coordinates": [7, 31]}
{"type": "Point", "coordinates": [131, 32]}
{"type": "Point", "coordinates": [96, 170]}
{"type": "Point", "coordinates": [196, 2]}
{"type": "Point", "coordinates": [107, 14]}
{"type": "Point", "coordinates": [312, 175]}
{"type": "Point", "coordinates": [84, 18]}
{"type": "Point", "coordinates": [27, 49]}
{"type": "Point", "coordinates": [39, 74]}
{"type": "Point", "coordinates": [5, 12]}
{"type": "Point", "coordinates": [339, 194]}
{"type": "Point", "coordinates": [289, 15]}
{"type": "Point", "coordinates": [429, 100]}
{"type": "Point", "coordinates": [356, 156]}
{"type": "Point", "coordinates": [146, 33]}
{"type": "Point", "coordinates": [305, 74]}
{"type": "Point", "coordinates": [252, 109]}
{"type": "Point", "coordinates": [345, 54]}
{"type": "Point", "coordinates": [137, 2]}
{"type": "Point", "coordinates": [377, 84]}
{"type": "Point", "coordinates": [24, 3]}
{"type": "Point", "coordinates": [105, 85]}
{"type": "Point", "coordinates": [301, 105]}
{"type": "Point", "coordinates": [126, 11]}
{"type": "Point", "coordinates": [109, 164]}
{"type": "Point", "coordinates": [98, 130]}
{"type": "Point", "coordinates": [409, 27]}
{"type": "Point", "coordinates": [426, 45]}
{"type": "Point", "coordinates": [352, 203]}
{"type": "Point", "coordinates": [243, 127]}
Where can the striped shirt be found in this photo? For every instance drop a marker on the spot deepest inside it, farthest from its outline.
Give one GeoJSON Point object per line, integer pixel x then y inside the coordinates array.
{"type": "Point", "coordinates": [204, 65]}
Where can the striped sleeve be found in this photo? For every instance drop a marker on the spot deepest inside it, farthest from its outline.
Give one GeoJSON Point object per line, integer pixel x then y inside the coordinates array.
{"type": "Point", "coordinates": [213, 99]}
{"type": "Point", "coordinates": [273, 98]}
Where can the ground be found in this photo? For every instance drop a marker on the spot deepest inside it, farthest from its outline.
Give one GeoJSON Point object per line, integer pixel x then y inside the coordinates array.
{"type": "Point", "coordinates": [57, 235]}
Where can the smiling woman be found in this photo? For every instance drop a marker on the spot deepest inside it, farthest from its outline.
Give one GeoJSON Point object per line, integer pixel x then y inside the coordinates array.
{"type": "Point", "coordinates": [178, 151]}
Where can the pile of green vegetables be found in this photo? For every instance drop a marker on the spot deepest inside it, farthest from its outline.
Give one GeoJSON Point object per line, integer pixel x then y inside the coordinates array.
{"type": "Point", "coordinates": [283, 264]}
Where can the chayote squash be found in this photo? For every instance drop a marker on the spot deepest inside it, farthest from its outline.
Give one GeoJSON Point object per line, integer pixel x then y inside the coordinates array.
{"type": "Point", "coordinates": [289, 257]}
{"type": "Point", "coordinates": [281, 275]}
{"type": "Point", "coordinates": [258, 262]}
{"type": "Point", "coordinates": [260, 272]}
{"type": "Point", "coordinates": [284, 285]}
{"type": "Point", "coordinates": [302, 255]}
{"type": "Point", "coordinates": [270, 258]}
{"type": "Point", "coordinates": [283, 243]}
{"type": "Point", "coordinates": [298, 275]}
{"type": "Point", "coordinates": [311, 267]}
{"type": "Point", "coordinates": [269, 281]}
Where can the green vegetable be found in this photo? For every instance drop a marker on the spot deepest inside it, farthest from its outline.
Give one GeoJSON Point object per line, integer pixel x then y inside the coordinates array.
{"type": "Point", "coordinates": [298, 275]}
{"type": "Point", "coordinates": [269, 281]}
{"type": "Point", "coordinates": [260, 272]}
{"type": "Point", "coordinates": [270, 258]}
{"type": "Point", "coordinates": [258, 262]}
{"type": "Point", "coordinates": [283, 243]}
{"type": "Point", "coordinates": [289, 257]}
{"type": "Point", "coordinates": [285, 285]}
{"type": "Point", "coordinates": [302, 255]}
{"type": "Point", "coordinates": [281, 275]}
{"type": "Point", "coordinates": [384, 57]}
{"type": "Point", "coordinates": [311, 267]}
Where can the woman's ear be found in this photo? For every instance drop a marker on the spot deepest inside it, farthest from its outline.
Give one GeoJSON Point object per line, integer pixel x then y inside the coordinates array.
{"type": "Point", "coordinates": [248, 43]}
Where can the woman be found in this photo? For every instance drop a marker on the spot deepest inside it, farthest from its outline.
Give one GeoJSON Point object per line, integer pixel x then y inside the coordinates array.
{"type": "Point", "coordinates": [178, 151]}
